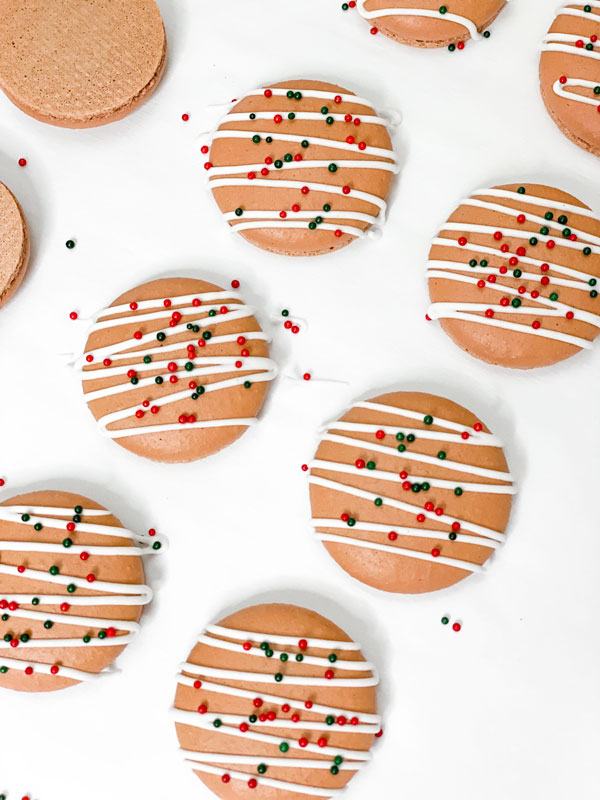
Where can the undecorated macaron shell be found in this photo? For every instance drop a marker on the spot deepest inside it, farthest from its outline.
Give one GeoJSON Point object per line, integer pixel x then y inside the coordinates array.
{"type": "Point", "coordinates": [80, 63]}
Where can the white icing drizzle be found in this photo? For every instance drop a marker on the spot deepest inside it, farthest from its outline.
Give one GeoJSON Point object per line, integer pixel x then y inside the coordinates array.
{"type": "Point", "coordinates": [254, 369]}
{"type": "Point", "coordinates": [451, 433]}
{"type": "Point", "coordinates": [270, 218]}
{"type": "Point", "coordinates": [566, 43]}
{"type": "Point", "coordinates": [110, 593]}
{"type": "Point", "coordinates": [539, 307]}
{"type": "Point", "coordinates": [394, 11]}
{"type": "Point", "coordinates": [215, 763]}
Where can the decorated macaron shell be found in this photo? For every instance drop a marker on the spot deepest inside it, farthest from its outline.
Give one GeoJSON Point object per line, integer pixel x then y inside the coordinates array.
{"type": "Point", "coordinates": [72, 589]}
{"type": "Point", "coordinates": [426, 23]}
{"type": "Point", "coordinates": [301, 167]}
{"type": "Point", "coordinates": [513, 275]}
{"type": "Point", "coordinates": [410, 492]}
{"type": "Point", "coordinates": [277, 699]}
{"type": "Point", "coordinates": [79, 64]}
{"type": "Point", "coordinates": [176, 369]}
{"type": "Point", "coordinates": [570, 73]}
{"type": "Point", "coordinates": [14, 244]}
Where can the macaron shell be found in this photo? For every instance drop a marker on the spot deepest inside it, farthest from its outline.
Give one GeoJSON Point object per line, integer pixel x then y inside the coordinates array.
{"type": "Point", "coordinates": [505, 347]}
{"type": "Point", "coordinates": [580, 122]}
{"type": "Point", "coordinates": [301, 241]}
{"type": "Point", "coordinates": [277, 619]}
{"type": "Point", "coordinates": [80, 63]}
{"type": "Point", "coordinates": [121, 569]}
{"type": "Point", "coordinates": [184, 443]}
{"type": "Point", "coordinates": [400, 573]}
{"type": "Point", "coordinates": [14, 244]}
{"type": "Point", "coordinates": [421, 31]}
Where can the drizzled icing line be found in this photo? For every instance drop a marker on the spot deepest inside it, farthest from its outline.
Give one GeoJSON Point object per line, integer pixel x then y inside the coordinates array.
{"type": "Point", "coordinates": [537, 306]}
{"type": "Point", "coordinates": [236, 725]}
{"type": "Point", "coordinates": [568, 43]}
{"type": "Point", "coordinates": [266, 218]}
{"type": "Point", "coordinates": [338, 531]}
{"type": "Point", "coordinates": [113, 593]}
{"type": "Point", "coordinates": [259, 369]}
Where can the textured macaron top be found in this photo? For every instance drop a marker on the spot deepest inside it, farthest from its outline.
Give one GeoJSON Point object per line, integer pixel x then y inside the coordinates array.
{"type": "Point", "coordinates": [80, 63]}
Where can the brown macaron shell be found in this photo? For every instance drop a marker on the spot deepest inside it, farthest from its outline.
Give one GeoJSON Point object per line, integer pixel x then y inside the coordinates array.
{"type": "Point", "coordinates": [14, 244]}
{"type": "Point", "coordinates": [579, 121]}
{"type": "Point", "coordinates": [117, 569]}
{"type": "Point", "coordinates": [401, 573]}
{"type": "Point", "coordinates": [229, 152]}
{"type": "Point", "coordinates": [510, 348]}
{"type": "Point", "coordinates": [419, 31]}
{"type": "Point", "coordinates": [80, 63]}
{"type": "Point", "coordinates": [185, 443]}
{"type": "Point", "coordinates": [282, 620]}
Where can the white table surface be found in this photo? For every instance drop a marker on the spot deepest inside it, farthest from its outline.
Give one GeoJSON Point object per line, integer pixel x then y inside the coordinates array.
{"type": "Point", "coordinates": [507, 708]}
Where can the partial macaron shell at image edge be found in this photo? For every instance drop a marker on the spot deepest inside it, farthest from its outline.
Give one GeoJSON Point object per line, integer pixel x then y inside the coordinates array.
{"type": "Point", "coordinates": [427, 23]}
{"type": "Point", "coordinates": [513, 275]}
{"type": "Point", "coordinates": [14, 244]}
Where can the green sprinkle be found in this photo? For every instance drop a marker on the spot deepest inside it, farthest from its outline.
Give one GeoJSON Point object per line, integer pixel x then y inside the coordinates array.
{"type": "Point", "coordinates": [587, 251]}
{"type": "Point", "coordinates": [252, 718]}
{"type": "Point", "coordinates": [428, 420]}
{"type": "Point", "coordinates": [24, 637]}
{"type": "Point", "coordinates": [71, 588]}
{"type": "Point", "coordinates": [217, 723]}
{"type": "Point", "coordinates": [256, 138]}
{"type": "Point", "coordinates": [25, 517]}
{"type": "Point", "coordinates": [515, 303]}
{"type": "Point", "coordinates": [370, 465]}
{"type": "Point", "coordinates": [269, 653]}
{"type": "Point", "coordinates": [299, 657]}
{"type": "Point", "coordinates": [452, 47]}
{"type": "Point", "coordinates": [53, 570]}
{"type": "Point", "coordinates": [562, 219]}
{"type": "Point", "coordinates": [283, 657]}
{"type": "Point", "coordinates": [102, 634]}
{"type": "Point", "coordinates": [87, 638]}
{"type": "Point", "coordinates": [284, 747]}
{"type": "Point", "coordinates": [338, 760]}
{"type": "Point", "coordinates": [67, 542]}
{"type": "Point", "coordinates": [3, 670]}
{"type": "Point", "coordinates": [158, 380]}
{"type": "Point", "coordinates": [147, 359]}
{"type": "Point", "coordinates": [312, 225]}
{"type": "Point", "coordinates": [332, 168]}
{"type": "Point", "coordinates": [517, 273]}
{"type": "Point", "coordinates": [35, 601]}
{"type": "Point", "coordinates": [48, 624]}
{"type": "Point", "coordinates": [445, 620]}
{"type": "Point", "coordinates": [533, 241]}
{"type": "Point", "coordinates": [324, 110]}
{"type": "Point", "coordinates": [378, 501]}
{"type": "Point", "coordinates": [441, 455]}
{"type": "Point", "coordinates": [290, 94]}
{"type": "Point", "coordinates": [304, 142]}
{"type": "Point", "coordinates": [332, 657]}
{"type": "Point", "coordinates": [278, 164]}
{"type": "Point", "coordinates": [484, 262]}
{"type": "Point", "coordinates": [288, 157]}
{"type": "Point", "coordinates": [329, 720]}
{"type": "Point", "coordinates": [239, 212]}
{"type": "Point", "coordinates": [298, 96]}
{"type": "Point", "coordinates": [156, 545]}
{"type": "Point", "coordinates": [410, 438]}
{"type": "Point", "coordinates": [261, 769]}
{"type": "Point", "coordinates": [161, 336]}
{"type": "Point", "coordinates": [452, 536]}
{"type": "Point", "coordinates": [329, 120]}
{"type": "Point", "coordinates": [401, 448]}
{"type": "Point", "coordinates": [351, 522]}
{"type": "Point", "coordinates": [247, 384]}
{"type": "Point", "coordinates": [38, 526]}
{"type": "Point", "coordinates": [400, 436]}
{"type": "Point", "coordinates": [334, 770]}
{"type": "Point", "coordinates": [458, 491]}
{"type": "Point", "coordinates": [207, 335]}
{"type": "Point", "coordinates": [326, 208]}
{"type": "Point", "coordinates": [70, 244]}
{"type": "Point", "coordinates": [544, 231]}
{"type": "Point", "coordinates": [548, 215]}
{"type": "Point", "coordinates": [554, 296]}
{"type": "Point", "coordinates": [521, 190]}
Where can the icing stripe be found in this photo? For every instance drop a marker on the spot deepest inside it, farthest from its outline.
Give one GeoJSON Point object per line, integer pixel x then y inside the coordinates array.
{"type": "Point", "coordinates": [353, 541]}
{"type": "Point", "coordinates": [401, 530]}
{"type": "Point", "coordinates": [290, 641]}
{"type": "Point", "coordinates": [560, 89]}
{"type": "Point", "coordinates": [239, 169]}
{"type": "Point", "coordinates": [455, 466]}
{"type": "Point", "coordinates": [284, 786]}
{"type": "Point", "coordinates": [411, 509]}
{"type": "Point", "coordinates": [265, 677]}
{"type": "Point", "coordinates": [220, 688]}
{"type": "Point", "coordinates": [197, 721]}
{"type": "Point", "coordinates": [269, 761]}
{"type": "Point", "coordinates": [381, 475]}
{"type": "Point", "coordinates": [315, 141]}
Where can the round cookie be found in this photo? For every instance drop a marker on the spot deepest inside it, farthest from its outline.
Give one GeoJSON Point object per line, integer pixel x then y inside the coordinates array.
{"type": "Point", "coordinates": [513, 276]}
{"type": "Point", "coordinates": [176, 369]}
{"type": "Point", "coordinates": [80, 63]}
{"type": "Point", "coordinates": [410, 492]}
{"type": "Point", "coordinates": [426, 23]}
{"type": "Point", "coordinates": [570, 73]}
{"type": "Point", "coordinates": [301, 168]}
{"type": "Point", "coordinates": [278, 699]}
{"type": "Point", "coordinates": [71, 587]}
{"type": "Point", "coordinates": [14, 244]}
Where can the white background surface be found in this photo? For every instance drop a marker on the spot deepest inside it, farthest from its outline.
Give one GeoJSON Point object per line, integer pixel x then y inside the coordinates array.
{"type": "Point", "coordinates": [510, 706]}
